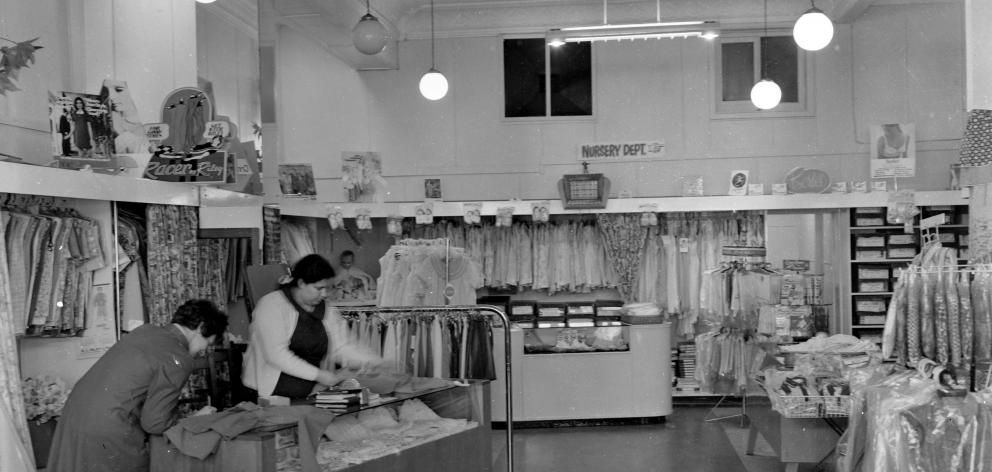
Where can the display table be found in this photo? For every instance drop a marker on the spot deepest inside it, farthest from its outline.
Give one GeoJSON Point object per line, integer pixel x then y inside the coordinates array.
{"type": "Point", "coordinates": [275, 448]}
{"type": "Point", "coordinates": [630, 384]}
{"type": "Point", "coordinates": [794, 440]}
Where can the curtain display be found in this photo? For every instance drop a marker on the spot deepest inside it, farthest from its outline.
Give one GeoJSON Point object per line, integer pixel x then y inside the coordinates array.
{"type": "Point", "coordinates": [173, 254]}
{"type": "Point", "coordinates": [271, 236]}
{"type": "Point", "coordinates": [441, 344]}
{"type": "Point", "coordinates": [566, 256]}
{"type": "Point", "coordinates": [51, 254]}
{"type": "Point", "coordinates": [212, 268]}
{"type": "Point", "coordinates": [12, 410]}
{"type": "Point", "coordinates": [418, 272]}
{"type": "Point", "coordinates": [297, 241]}
{"type": "Point", "coordinates": [623, 236]}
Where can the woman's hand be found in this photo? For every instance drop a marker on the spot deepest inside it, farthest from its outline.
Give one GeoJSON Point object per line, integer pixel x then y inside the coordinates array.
{"type": "Point", "coordinates": [326, 377]}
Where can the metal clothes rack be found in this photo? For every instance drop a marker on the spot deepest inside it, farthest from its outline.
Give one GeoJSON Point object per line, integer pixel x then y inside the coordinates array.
{"type": "Point", "coordinates": [466, 310]}
{"type": "Point", "coordinates": [741, 255]}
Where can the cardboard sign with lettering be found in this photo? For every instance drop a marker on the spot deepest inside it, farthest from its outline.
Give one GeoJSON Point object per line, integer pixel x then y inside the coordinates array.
{"type": "Point", "coordinates": [636, 150]}
{"type": "Point", "coordinates": [199, 168]}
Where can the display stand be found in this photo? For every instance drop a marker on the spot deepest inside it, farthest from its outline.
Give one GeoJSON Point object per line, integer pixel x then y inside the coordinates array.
{"type": "Point", "coordinates": [506, 343]}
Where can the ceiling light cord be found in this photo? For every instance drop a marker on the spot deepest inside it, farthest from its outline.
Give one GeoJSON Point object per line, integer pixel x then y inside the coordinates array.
{"type": "Point", "coordinates": [432, 34]}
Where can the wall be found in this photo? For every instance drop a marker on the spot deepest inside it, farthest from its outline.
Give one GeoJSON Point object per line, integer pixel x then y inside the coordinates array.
{"type": "Point", "coordinates": [227, 56]}
{"type": "Point", "coordinates": [978, 14]}
{"type": "Point", "coordinates": [897, 63]}
{"type": "Point", "coordinates": [147, 44]}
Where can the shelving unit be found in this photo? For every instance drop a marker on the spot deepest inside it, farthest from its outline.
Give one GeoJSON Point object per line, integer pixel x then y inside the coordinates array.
{"type": "Point", "coordinates": [878, 250]}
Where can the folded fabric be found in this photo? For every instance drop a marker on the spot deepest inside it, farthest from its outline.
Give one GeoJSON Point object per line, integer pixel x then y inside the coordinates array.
{"type": "Point", "coordinates": [346, 428]}
{"type": "Point", "coordinates": [199, 436]}
{"type": "Point", "coordinates": [414, 410]}
{"type": "Point", "coordinates": [377, 418]}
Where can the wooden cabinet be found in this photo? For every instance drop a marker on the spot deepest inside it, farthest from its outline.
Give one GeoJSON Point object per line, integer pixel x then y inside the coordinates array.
{"type": "Point", "coordinates": [275, 448]}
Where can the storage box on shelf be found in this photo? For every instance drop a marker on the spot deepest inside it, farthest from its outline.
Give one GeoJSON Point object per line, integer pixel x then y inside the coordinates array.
{"type": "Point", "coordinates": [879, 250]}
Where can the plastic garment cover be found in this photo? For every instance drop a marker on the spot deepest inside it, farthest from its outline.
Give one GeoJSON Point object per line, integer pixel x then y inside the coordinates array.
{"type": "Point", "coordinates": [903, 423]}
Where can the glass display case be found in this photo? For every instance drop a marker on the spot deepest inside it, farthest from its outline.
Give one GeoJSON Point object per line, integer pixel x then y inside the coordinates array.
{"type": "Point", "coordinates": [574, 335]}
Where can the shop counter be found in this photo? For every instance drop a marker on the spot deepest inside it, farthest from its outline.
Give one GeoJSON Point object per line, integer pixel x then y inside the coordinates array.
{"type": "Point", "coordinates": [556, 377]}
{"type": "Point", "coordinates": [276, 448]}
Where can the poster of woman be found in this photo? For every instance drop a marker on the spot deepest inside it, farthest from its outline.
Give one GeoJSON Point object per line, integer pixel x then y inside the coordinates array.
{"type": "Point", "coordinates": [81, 127]}
{"type": "Point", "coordinates": [893, 150]}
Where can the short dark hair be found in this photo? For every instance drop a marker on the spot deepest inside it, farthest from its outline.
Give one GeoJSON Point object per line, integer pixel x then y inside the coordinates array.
{"type": "Point", "coordinates": [194, 312]}
{"type": "Point", "coordinates": [311, 269]}
{"type": "Point", "coordinates": [346, 253]}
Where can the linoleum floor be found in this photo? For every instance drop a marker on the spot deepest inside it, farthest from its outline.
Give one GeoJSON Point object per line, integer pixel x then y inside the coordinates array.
{"type": "Point", "coordinates": [684, 443]}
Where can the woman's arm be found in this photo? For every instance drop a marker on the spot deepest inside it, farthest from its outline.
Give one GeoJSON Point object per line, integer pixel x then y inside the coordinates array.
{"type": "Point", "coordinates": [160, 412]}
{"type": "Point", "coordinates": [274, 320]}
{"type": "Point", "coordinates": [343, 348]}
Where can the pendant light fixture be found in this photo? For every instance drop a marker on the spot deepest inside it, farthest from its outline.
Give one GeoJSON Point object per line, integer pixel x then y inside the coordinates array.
{"type": "Point", "coordinates": [765, 94]}
{"type": "Point", "coordinates": [205, 1]}
{"type": "Point", "coordinates": [433, 85]}
{"type": "Point", "coordinates": [814, 30]}
{"type": "Point", "coordinates": [369, 36]}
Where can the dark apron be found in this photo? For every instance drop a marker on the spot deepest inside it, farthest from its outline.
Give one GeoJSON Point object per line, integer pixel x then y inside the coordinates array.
{"type": "Point", "coordinates": [308, 342]}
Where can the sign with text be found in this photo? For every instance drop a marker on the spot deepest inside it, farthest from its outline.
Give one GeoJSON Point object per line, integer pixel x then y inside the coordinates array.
{"type": "Point", "coordinates": [633, 150]}
{"type": "Point", "coordinates": [203, 168]}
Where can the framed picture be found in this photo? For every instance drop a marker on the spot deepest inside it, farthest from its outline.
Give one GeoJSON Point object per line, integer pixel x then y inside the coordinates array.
{"type": "Point", "coordinates": [738, 182]}
{"type": "Point", "coordinates": [432, 189]}
{"type": "Point", "coordinates": [296, 180]}
{"type": "Point", "coordinates": [81, 127]}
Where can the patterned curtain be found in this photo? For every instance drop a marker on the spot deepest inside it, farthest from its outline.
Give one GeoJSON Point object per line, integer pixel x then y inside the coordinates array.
{"type": "Point", "coordinates": [11, 400]}
{"type": "Point", "coordinates": [271, 239]}
{"type": "Point", "coordinates": [623, 237]}
{"type": "Point", "coordinates": [211, 269]}
{"type": "Point", "coordinates": [173, 256]}
{"type": "Point", "coordinates": [980, 224]}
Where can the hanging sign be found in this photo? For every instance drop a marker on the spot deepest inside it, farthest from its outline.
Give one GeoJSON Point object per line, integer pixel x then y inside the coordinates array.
{"type": "Point", "coordinates": [631, 150]}
{"type": "Point", "coordinates": [198, 168]}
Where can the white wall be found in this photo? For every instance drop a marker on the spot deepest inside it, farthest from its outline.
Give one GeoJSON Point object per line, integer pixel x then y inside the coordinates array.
{"type": "Point", "coordinates": [978, 14]}
{"type": "Point", "coordinates": [227, 56]}
{"type": "Point", "coordinates": [902, 63]}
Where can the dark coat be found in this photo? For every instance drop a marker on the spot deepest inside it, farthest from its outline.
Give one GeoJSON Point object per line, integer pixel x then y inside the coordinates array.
{"type": "Point", "coordinates": [132, 391]}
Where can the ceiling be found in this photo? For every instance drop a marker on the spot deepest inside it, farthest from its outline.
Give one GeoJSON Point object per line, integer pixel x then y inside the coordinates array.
{"type": "Point", "coordinates": [329, 22]}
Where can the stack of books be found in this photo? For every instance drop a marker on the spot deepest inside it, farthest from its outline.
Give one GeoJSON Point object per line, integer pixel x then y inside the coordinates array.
{"type": "Point", "coordinates": [338, 399]}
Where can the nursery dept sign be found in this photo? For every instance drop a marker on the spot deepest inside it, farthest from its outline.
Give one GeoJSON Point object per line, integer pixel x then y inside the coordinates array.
{"type": "Point", "coordinates": [632, 150]}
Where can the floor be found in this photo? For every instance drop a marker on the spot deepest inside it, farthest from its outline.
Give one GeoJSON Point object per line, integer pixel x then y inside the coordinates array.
{"type": "Point", "coordinates": [684, 443]}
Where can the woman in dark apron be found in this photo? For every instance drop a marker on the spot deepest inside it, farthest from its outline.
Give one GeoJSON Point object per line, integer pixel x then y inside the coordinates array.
{"type": "Point", "coordinates": [294, 345]}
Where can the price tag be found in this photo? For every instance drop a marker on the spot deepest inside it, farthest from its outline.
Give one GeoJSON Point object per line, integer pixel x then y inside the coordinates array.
{"type": "Point", "coordinates": [683, 244]}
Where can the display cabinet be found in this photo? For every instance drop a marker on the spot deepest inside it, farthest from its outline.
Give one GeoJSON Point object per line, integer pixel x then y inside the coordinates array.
{"type": "Point", "coordinates": [880, 249]}
{"type": "Point", "coordinates": [627, 379]}
{"type": "Point", "coordinates": [277, 448]}
{"type": "Point", "coordinates": [576, 336]}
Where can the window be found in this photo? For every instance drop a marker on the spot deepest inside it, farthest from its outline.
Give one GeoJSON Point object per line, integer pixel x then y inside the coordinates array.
{"type": "Point", "coordinates": [541, 81]}
{"type": "Point", "coordinates": [739, 65]}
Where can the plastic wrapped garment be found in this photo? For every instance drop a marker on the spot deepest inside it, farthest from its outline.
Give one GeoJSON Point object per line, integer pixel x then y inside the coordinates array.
{"type": "Point", "coordinates": [904, 423]}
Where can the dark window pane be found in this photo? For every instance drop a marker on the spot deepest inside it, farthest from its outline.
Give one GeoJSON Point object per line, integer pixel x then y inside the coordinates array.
{"type": "Point", "coordinates": [523, 77]}
{"type": "Point", "coordinates": [571, 79]}
{"type": "Point", "coordinates": [737, 61]}
{"type": "Point", "coordinates": [780, 59]}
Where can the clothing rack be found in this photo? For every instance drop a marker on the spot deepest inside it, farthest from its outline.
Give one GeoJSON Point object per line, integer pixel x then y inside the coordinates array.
{"type": "Point", "coordinates": [465, 310]}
